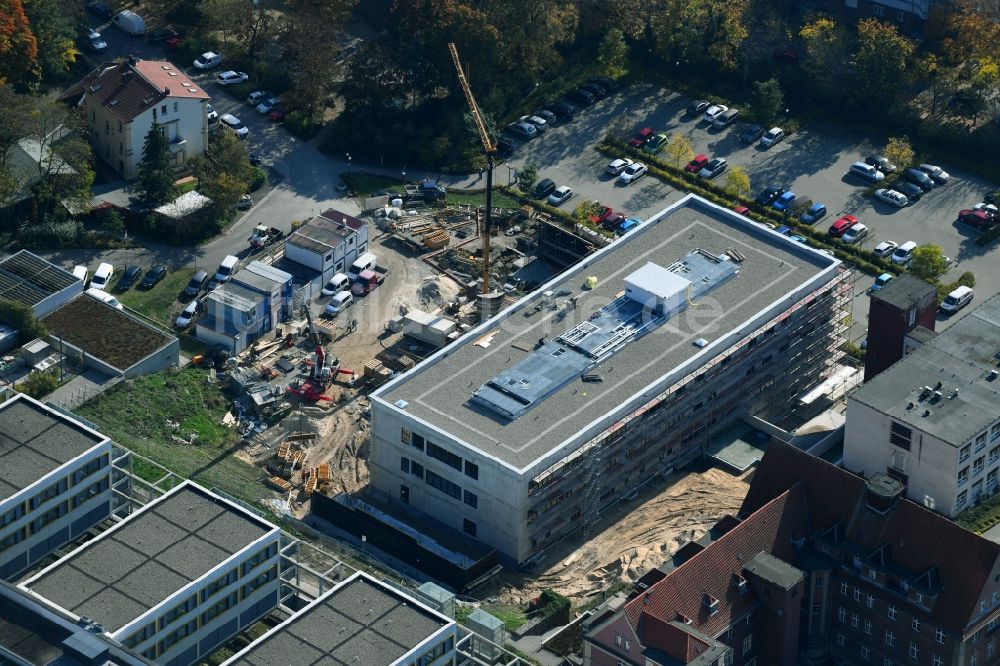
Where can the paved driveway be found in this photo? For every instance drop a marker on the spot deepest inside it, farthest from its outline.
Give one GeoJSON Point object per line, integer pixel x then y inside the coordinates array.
{"type": "Point", "coordinates": [811, 162]}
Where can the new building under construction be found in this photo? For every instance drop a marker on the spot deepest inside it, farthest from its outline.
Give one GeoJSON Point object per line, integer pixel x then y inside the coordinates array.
{"type": "Point", "coordinates": [620, 369]}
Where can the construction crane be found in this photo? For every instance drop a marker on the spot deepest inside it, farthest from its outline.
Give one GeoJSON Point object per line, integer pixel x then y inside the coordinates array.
{"type": "Point", "coordinates": [490, 149]}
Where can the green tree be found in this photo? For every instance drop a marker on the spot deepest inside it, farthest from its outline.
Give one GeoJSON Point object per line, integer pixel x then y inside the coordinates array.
{"type": "Point", "coordinates": [767, 100]}
{"type": "Point", "coordinates": [613, 54]}
{"type": "Point", "coordinates": [313, 62]}
{"type": "Point", "coordinates": [585, 210]}
{"type": "Point", "coordinates": [39, 384]}
{"type": "Point", "coordinates": [156, 174]}
{"type": "Point", "coordinates": [827, 47]}
{"type": "Point", "coordinates": [880, 59]}
{"type": "Point", "coordinates": [251, 24]}
{"type": "Point", "coordinates": [18, 46]}
{"type": "Point", "coordinates": [53, 23]}
{"type": "Point", "coordinates": [678, 150]}
{"type": "Point", "coordinates": [113, 223]}
{"type": "Point", "coordinates": [928, 262]}
{"type": "Point", "coordinates": [22, 319]}
{"type": "Point", "coordinates": [225, 177]}
{"type": "Point", "coordinates": [899, 151]}
{"type": "Point", "coordinates": [737, 181]}
{"type": "Point", "coordinates": [526, 177]}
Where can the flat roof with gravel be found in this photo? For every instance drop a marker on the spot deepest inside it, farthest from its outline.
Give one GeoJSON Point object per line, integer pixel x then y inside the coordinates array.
{"type": "Point", "coordinates": [140, 562]}
{"type": "Point", "coordinates": [361, 621]}
{"type": "Point", "coordinates": [36, 440]}
{"type": "Point", "coordinates": [775, 272]}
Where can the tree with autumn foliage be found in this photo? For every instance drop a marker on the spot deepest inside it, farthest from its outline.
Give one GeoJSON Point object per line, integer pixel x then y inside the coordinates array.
{"type": "Point", "coordinates": [18, 47]}
{"type": "Point", "coordinates": [54, 24]}
{"type": "Point", "coordinates": [881, 60]}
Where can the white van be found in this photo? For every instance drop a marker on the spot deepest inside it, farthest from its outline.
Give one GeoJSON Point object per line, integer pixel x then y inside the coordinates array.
{"type": "Point", "coordinates": [226, 269]}
{"type": "Point", "coordinates": [957, 300]}
{"type": "Point", "coordinates": [340, 302]}
{"type": "Point", "coordinates": [338, 282]}
{"type": "Point", "coordinates": [904, 253]}
{"type": "Point", "coordinates": [105, 297]}
{"type": "Point", "coordinates": [102, 277]}
{"type": "Point", "coordinates": [81, 273]}
{"type": "Point", "coordinates": [129, 22]}
{"type": "Point", "coordinates": [866, 172]}
{"type": "Point", "coordinates": [365, 262]}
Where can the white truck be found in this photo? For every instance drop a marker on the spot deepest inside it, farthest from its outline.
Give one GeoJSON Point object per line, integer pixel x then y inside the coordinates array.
{"type": "Point", "coordinates": [129, 22]}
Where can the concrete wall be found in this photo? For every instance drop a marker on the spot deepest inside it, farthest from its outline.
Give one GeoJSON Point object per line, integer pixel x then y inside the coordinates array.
{"type": "Point", "coordinates": [212, 338]}
{"type": "Point", "coordinates": [53, 302]}
{"type": "Point", "coordinates": [87, 502]}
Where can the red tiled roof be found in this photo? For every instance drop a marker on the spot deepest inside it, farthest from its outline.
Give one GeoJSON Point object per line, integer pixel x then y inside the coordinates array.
{"type": "Point", "coordinates": [670, 638]}
{"type": "Point", "coordinates": [769, 530]}
{"type": "Point", "coordinates": [128, 89]}
{"type": "Point", "coordinates": [343, 218]}
{"type": "Point", "coordinates": [920, 539]}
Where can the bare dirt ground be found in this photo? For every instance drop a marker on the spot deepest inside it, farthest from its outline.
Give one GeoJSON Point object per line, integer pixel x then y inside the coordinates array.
{"type": "Point", "coordinates": [633, 537]}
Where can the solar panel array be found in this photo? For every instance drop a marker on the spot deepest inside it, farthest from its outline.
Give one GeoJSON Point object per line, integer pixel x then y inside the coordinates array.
{"type": "Point", "coordinates": [29, 279]}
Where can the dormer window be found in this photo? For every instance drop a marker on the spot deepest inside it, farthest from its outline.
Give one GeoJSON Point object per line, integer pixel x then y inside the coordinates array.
{"type": "Point", "coordinates": [740, 583]}
{"type": "Point", "coordinates": [681, 617]}
{"type": "Point", "coordinates": [711, 603]}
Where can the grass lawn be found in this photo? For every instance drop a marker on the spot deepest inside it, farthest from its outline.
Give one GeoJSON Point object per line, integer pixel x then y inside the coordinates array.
{"type": "Point", "coordinates": [159, 303]}
{"type": "Point", "coordinates": [512, 616]}
{"type": "Point", "coordinates": [363, 184]}
{"type": "Point", "coordinates": [136, 413]}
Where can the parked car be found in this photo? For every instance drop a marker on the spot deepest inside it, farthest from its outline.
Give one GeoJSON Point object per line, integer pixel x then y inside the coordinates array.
{"type": "Point", "coordinates": [773, 136]}
{"type": "Point", "coordinates": [912, 192]}
{"type": "Point", "coordinates": [885, 249]}
{"type": "Point", "coordinates": [544, 188]}
{"type": "Point", "coordinates": [562, 110]}
{"type": "Point", "coordinates": [505, 145]}
{"type": "Point", "coordinates": [714, 112]}
{"type": "Point", "coordinates": [188, 314]}
{"type": "Point", "coordinates": [153, 277]}
{"type": "Point", "coordinates": [231, 78]}
{"type": "Point", "coordinates": [988, 207]}
{"type": "Point", "coordinates": [95, 41]}
{"type": "Point", "coordinates": [161, 35]}
{"type": "Point", "coordinates": [903, 253]}
{"type": "Point", "coordinates": [607, 82]}
{"type": "Point", "coordinates": [129, 277]}
{"type": "Point", "coordinates": [656, 143]}
{"type": "Point", "coordinates": [102, 277]}
{"type": "Point", "coordinates": [627, 225]}
{"type": "Point", "coordinates": [726, 119]}
{"type": "Point", "coordinates": [937, 174]}
{"type": "Point", "coordinates": [713, 168]}
{"type": "Point", "coordinates": [538, 122]}
{"type": "Point", "coordinates": [697, 107]}
{"type": "Point", "coordinates": [100, 9]}
{"type": "Point", "coordinates": [211, 114]}
{"type": "Point", "coordinates": [881, 281]}
{"type": "Point", "coordinates": [560, 196]}
{"type": "Point", "coordinates": [751, 134]}
{"type": "Point", "coordinates": [881, 162]}
{"type": "Point", "coordinates": [892, 197]}
{"type": "Point", "coordinates": [129, 22]}
{"type": "Point", "coordinates": [783, 202]}
{"type": "Point", "coordinates": [547, 115]}
{"type": "Point", "coordinates": [856, 233]}
{"type": "Point", "coordinates": [918, 178]}
{"type": "Point", "coordinates": [605, 216]}
{"type": "Point", "coordinates": [616, 166]}
{"type": "Point", "coordinates": [769, 194]}
{"type": "Point", "coordinates": [597, 91]}
{"type": "Point", "coordinates": [632, 173]}
{"type": "Point", "coordinates": [697, 164]}
{"type": "Point", "coordinates": [840, 227]}
{"type": "Point", "coordinates": [741, 210]}
{"type": "Point", "coordinates": [957, 300]}
{"type": "Point", "coordinates": [980, 219]}
{"type": "Point", "coordinates": [268, 105]}
{"type": "Point", "coordinates": [582, 97]}
{"type": "Point", "coordinates": [641, 137]}
{"type": "Point", "coordinates": [258, 96]}
{"type": "Point", "coordinates": [523, 130]}
{"type": "Point", "coordinates": [866, 172]}
{"type": "Point", "coordinates": [196, 284]}
{"type": "Point", "coordinates": [235, 125]}
{"type": "Point", "coordinates": [813, 214]}
{"type": "Point", "coordinates": [245, 203]}
{"type": "Point", "coordinates": [278, 115]}
{"type": "Point", "coordinates": [208, 60]}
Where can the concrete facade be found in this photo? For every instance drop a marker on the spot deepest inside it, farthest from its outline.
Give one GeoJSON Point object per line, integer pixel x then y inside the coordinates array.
{"type": "Point", "coordinates": [932, 420]}
{"type": "Point", "coordinates": [55, 482]}
{"type": "Point", "coordinates": [174, 580]}
{"type": "Point", "coordinates": [904, 308]}
{"type": "Point", "coordinates": [328, 243]}
{"type": "Point", "coordinates": [520, 485]}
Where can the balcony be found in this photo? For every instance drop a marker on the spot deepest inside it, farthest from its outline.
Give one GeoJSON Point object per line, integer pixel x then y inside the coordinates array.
{"type": "Point", "coordinates": [177, 144]}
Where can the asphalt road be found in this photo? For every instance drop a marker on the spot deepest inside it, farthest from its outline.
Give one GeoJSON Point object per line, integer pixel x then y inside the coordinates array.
{"type": "Point", "coordinates": [812, 162]}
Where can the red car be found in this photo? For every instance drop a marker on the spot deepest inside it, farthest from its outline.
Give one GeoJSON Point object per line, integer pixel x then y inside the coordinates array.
{"type": "Point", "coordinates": [277, 115]}
{"type": "Point", "coordinates": [741, 210]}
{"type": "Point", "coordinates": [173, 42]}
{"type": "Point", "coordinates": [604, 213]}
{"type": "Point", "coordinates": [641, 137]}
{"type": "Point", "coordinates": [697, 164]}
{"type": "Point", "coordinates": [980, 219]}
{"type": "Point", "coordinates": [840, 227]}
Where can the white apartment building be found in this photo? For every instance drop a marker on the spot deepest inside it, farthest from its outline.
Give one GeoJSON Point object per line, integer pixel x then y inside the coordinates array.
{"type": "Point", "coordinates": [932, 420]}
{"type": "Point", "coordinates": [174, 580]}
{"type": "Point", "coordinates": [123, 100]}
{"type": "Point", "coordinates": [55, 482]}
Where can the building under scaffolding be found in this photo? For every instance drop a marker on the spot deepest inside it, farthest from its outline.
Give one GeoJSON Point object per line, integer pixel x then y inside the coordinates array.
{"type": "Point", "coordinates": [620, 369]}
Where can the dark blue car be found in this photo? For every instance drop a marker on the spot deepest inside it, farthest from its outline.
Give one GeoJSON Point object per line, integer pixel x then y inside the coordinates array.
{"type": "Point", "coordinates": [815, 213]}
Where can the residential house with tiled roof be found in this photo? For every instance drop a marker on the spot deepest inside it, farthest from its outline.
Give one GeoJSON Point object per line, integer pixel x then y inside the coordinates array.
{"type": "Point", "coordinates": [123, 100]}
{"type": "Point", "coordinates": [821, 566]}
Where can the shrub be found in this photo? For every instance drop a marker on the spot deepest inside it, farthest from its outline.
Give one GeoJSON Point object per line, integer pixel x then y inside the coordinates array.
{"type": "Point", "coordinates": [257, 179]}
{"type": "Point", "coordinates": [51, 235]}
{"type": "Point", "coordinates": [302, 125]}
{"type": "Point", "coordinates": [22, 319]}
{"type": "Point", "coordinates": [39, 384]}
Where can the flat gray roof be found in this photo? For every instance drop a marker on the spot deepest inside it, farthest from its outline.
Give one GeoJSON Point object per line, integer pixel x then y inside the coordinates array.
{"type": "Point", "coordinates": [359, 622]}
{"type": "Point", "coordinates": [904, 291]}
{"type": "Point", "coordinates": [774, 271]}
{"type": "Point", "coordinates": [134, 566]}
{"type": "Point", "coordinates": [34, 441]}
{"type": "Point", "coordinates": [961, 359]}
{"type": "Point", "coordinates": [29, 279]}
{"type": "Point", "coordinates": [320, 234]}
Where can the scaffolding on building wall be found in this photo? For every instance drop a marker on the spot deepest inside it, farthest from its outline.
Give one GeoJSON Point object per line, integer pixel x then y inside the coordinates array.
{"type": "Point", "coordinates": [813, 351]}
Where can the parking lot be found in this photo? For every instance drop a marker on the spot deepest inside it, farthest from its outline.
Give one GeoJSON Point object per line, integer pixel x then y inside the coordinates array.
{"type": "Point", "coordinates": [812, 163]}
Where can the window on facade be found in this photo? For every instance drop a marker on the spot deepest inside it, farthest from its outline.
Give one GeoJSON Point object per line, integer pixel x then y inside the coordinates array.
{"type": "Point", "coordinates": [961, 499]}
{"type": "Point", "coordinates": [918, 597]}
{"type": "Point", "coordinates": [842, 614]}
{"type": "Point", "coordinates": [471, 499]}
{"type": "Point", "coordinates": [890, 639]}
{"type": "Point", "coordinates": [841, 640]}
{"type": "Point", "coordinates": [870, 601]}
{"type": "Point", "coordinates": [11, 539]}
{"type": "Point", "coordinates": [981, 441]}
{"type": "Point", "coordinates": [469, 527]}
{"type": "Point", "coordinates": [915, 624]}
{"type": "Point", "coordinates": [865, 653]}
{"type": "Point", "coordinates": [417, 441]}
{"type": "Point", "coordinates": [219, 607]}
{"type": "Point", "coordinates": [416, 469]}
{"type": "Point", "coordinates": [995, 454]}
{"type": "Point", "coordinates": [180, 609]}
{"type": "Point", "coordinates": [914, 651]}
{"type": "Point", "coordinates": [218, 584]}
{"type": "Point", "coordinates": [618, 640]}
{"type": "Point", "coordinates": [855, 620]}
{"type": "Point", "coordinates": [963, 453]}
{"type": "Point", "coordinates": [438, 482]}
{"type": "Point", "coordinates": [868, 627]}
{"type": "Point", "coordinates": [892, 611]}
{"type": "Point", "coordinates": [163, 109]}
{"type": "Point", "coordinates": [872, 574]}
{"type": "Point", "coordinates": [844, 587]}
{"type": "Point", "coordinates": [404, 435]}
{"type": "Point", "coordinates": [900, 435]}
{"type": "Point", "coordinates": [937, 660]}
{"type": "Point", "coordinates": [747, 644]}
{"type": "Point", "coordinates": [472, 470]}
{"type": "Point", "coordinates": [963, 475]}
{"type": "Point", "coordinates": [404, 464]}
{"type": "Point", "coordinates": [857, 594]}
{"type": "Point", "coordinates": [939, 636]}
{"type": "Point", "coordinates": [978, 464]}
{"type": "Point", "coordinates": [444, 455]}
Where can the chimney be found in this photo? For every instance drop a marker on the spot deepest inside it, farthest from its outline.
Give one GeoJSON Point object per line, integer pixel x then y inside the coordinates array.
{"type": "Point", "coordinates": [132, 60]}
{"type": "Point", "coordinates": [166, 91]}
{"type": "Point", "coordinates": [882, 492]}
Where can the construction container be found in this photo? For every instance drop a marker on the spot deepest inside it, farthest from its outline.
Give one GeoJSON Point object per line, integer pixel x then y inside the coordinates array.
{"type": "Point", "coordinates": [485, 626]}
{"type": "Point", "coordinates": [437, 597]}
{"type": "Point", "coordinates": [432, 329]}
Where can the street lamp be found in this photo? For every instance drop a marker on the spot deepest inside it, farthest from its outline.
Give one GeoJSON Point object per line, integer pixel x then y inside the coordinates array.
{"type": "Point", "coordinates": [404, 176]}
{"type": "Point", "coordinates": [348, 164]}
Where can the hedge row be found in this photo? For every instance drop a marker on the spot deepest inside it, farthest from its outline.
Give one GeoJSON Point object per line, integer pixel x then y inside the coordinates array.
{"type": "Point", "coordinates": [716, 194]}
